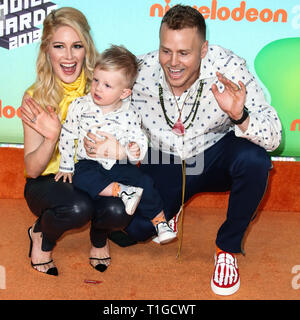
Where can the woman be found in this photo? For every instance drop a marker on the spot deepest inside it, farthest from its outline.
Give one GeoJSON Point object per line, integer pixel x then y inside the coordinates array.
{"type": "Point", "coordinates": [64, 72]}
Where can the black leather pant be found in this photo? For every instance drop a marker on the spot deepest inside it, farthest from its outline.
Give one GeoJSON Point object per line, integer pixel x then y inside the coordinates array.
{"type": "Point", "coordinates": [60, 207]}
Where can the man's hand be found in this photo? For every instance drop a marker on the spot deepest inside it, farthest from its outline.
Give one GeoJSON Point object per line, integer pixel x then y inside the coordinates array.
{"type": "Point", "coordinates": [232, 99]}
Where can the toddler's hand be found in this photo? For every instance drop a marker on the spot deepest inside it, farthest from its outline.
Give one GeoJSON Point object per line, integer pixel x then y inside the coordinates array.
{"type": "Point", "coordinates": [67, 176]}
{"type": "Point", "coordinates": [134, 150]}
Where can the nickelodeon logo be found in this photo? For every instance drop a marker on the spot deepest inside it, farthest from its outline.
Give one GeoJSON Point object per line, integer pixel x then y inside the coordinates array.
{"type": "Point", "coordinates": [9, 112]}
{"type": "Point", "coordinates": [19, 20]}
{"type": "Point", "coordinates": [294, 125]}
{"type": "Point", "coordinates": [224, 13]}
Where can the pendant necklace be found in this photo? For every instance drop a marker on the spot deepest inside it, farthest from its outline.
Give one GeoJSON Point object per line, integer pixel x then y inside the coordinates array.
{"type": "Point", "coordinates": [178, 127]}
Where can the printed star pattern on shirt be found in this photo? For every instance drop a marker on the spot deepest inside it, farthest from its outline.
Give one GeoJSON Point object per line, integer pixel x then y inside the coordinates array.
{"type": "Point", "coordinates": [85, 116]}
{"type": "Point", "coordinates": [210, 123]}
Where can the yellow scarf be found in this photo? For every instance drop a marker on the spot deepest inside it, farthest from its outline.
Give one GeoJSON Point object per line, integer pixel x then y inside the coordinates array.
{"type": "Point", "coordinates": [71, 92]}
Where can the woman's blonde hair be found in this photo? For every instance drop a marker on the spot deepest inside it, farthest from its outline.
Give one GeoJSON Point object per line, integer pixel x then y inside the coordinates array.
{"type": "Point", "coordinates": [47, 90]}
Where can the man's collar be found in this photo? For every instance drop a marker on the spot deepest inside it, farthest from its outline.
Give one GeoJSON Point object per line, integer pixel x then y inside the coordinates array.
{"type": "Point", "coordinates": [163, 81]}
{"type": "Point", "coordinates": [207, 69]}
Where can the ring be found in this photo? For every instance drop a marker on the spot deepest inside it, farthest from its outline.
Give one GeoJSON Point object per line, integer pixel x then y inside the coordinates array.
{"type": "Point", "coordinates": [33, 120]}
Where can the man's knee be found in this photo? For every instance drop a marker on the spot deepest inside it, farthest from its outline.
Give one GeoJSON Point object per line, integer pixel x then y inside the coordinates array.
{"type": "Point", "coordinates": [252, 158]}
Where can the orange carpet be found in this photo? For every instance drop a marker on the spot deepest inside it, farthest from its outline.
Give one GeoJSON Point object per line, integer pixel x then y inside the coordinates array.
{"type": "Point", "coordinates": [270, 270]}
{"type": "Point", "coordinates": [282, 193]}
{"type": "Point", "coordinates": [150, 271]}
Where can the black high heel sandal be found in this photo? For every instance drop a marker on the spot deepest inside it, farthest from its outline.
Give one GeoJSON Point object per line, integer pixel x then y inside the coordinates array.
{"type": "Point", "coordinates": [101, 266]}
{"type": "Point", "coordinates": [51, 271]}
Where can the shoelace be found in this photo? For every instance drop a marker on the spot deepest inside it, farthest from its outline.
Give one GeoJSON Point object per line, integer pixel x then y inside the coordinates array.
{"type": "Point", "coordinates": [129, 195]}
{"type": "Point", "coordinates": [165, 227]}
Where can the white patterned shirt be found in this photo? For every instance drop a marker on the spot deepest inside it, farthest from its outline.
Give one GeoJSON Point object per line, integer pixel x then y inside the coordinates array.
{"type": "Point", "coordinates": [210, 123]}
{"type": "Point", "coordinates": [85, 116]}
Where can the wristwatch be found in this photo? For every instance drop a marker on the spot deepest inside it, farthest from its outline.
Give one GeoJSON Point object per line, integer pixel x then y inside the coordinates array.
{"type": "Point", "coordinates": [242, 119]}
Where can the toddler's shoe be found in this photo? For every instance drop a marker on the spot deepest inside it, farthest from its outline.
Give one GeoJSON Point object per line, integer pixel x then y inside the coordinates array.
{"type": "Point", "coordinates": [173, 224]}
{"type": "Point", "coordinates": [164, 233]}
{"type": "Point", "coordinates": [131, 197]}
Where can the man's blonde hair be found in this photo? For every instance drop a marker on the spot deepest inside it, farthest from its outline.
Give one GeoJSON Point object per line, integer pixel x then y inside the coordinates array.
{"type": "Point", "coordinates": [118, 58]}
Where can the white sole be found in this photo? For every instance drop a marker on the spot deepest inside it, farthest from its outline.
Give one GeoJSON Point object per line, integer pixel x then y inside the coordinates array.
{"type": "Point", "coordinates": [174, 220]}
{"type": "Point", "coordinates": [166, 239]}
{"type": "Point", "coordinates": [225, 291]}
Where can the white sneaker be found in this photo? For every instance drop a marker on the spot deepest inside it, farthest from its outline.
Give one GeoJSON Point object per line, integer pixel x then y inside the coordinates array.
{"type": "Point", "coordinates": [226, 279]}
{"type": "Point", "coordinates": [164, 233]}
{"type": "Point", "coordinates": [173, 224]}
{"type": "Point", "coordinates": [131, 197]}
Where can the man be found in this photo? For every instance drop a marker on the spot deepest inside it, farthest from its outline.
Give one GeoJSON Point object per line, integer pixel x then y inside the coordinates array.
{"type": "Point", "coordinates": [200, 104]}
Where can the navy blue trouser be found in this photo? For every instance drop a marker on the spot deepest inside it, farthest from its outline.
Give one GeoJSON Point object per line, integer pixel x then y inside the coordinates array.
{"type": "Point", "coordinates": [234, 164]}
{"type": "Point", "coordinates": [91, 177]}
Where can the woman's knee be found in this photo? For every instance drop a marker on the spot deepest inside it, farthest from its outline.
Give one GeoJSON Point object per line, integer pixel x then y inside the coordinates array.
{"type": "Point", "coordinates": [82, 211]}
{"type": "Point", "coordinates": [75, 214]}
{"type": "Point", "coordinates": [110, 214]}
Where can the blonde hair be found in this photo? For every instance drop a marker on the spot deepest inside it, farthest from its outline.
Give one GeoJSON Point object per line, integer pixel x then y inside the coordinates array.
{"type": "Point", "coordinates": [119, 58]}
{"type": "Point", "coordinates": [47, 90]}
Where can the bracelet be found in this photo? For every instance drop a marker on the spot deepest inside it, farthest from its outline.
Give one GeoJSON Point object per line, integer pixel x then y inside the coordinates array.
{"type": "Point", "coordinates": [243, 118]}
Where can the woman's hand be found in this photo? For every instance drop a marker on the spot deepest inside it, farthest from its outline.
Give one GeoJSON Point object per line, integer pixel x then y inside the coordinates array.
{"type": "Point", "coordinates": [41, 132]}
{"type": "Point", "coordinates": [45, 123]}
{"type": "Point", "coordinates": [67, 176]}
{"type": "Point", "coordinates": [106, 147]}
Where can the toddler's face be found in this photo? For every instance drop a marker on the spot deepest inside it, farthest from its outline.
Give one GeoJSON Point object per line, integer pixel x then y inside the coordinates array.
{"type": "Point", "coordinates": [108, 88]}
